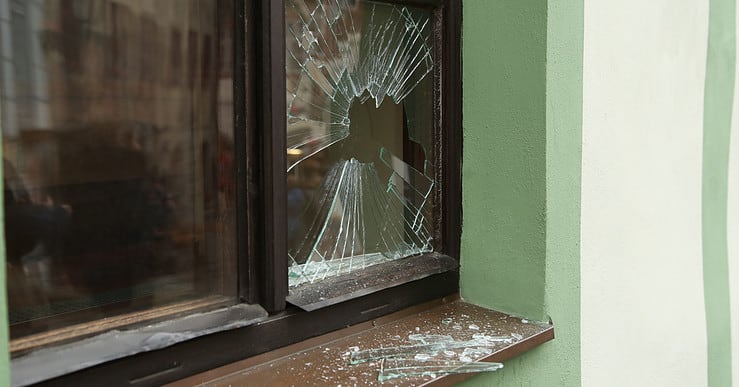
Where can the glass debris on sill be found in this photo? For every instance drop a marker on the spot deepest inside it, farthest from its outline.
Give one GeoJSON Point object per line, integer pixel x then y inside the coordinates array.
{"type": "Point", "coordinates": [400, 368]}
{"type": "Point", "coordinates": [538, 323]}
{"type": "Point", "coordinates": [373, 202]}
{"type": "Point", "coordinates": [433, 355]}
{"type": "Point", "coordinates": [431, 344]}
{"type": "Point", "coordinates": [330, 361]}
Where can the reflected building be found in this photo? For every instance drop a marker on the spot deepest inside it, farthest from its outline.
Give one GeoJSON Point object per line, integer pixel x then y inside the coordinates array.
{"type": "Point", "coordinates": [121, 112]}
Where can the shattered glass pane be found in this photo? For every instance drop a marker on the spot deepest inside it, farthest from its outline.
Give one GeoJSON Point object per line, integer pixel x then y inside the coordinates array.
{"type": "Point", "coordinates": [359, 112]}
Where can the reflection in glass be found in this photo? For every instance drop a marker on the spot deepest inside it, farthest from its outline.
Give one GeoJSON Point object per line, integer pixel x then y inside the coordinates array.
{"type": "Point", "coordinates": [359, 103]}
{"type": "Point", "coordinates": [117, 156]}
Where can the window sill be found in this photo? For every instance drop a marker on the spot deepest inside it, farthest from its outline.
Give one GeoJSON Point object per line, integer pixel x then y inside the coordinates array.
{"type": "Point", "coordinates": [49, 362]}
{"type": "Point", "coordinates": [323, 360]}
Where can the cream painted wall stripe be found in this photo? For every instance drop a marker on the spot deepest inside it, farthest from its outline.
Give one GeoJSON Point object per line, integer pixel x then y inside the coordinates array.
{"type": "Point", "coordinates": [718, 103]}
{"type": "Point", "coordinates": [641, 276]}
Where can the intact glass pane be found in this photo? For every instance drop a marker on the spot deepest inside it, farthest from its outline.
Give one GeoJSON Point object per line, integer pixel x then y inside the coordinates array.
{"type": "Point", "coordinates": [359, 135]}
{"type": "Point", "coordinates": [117, 156]}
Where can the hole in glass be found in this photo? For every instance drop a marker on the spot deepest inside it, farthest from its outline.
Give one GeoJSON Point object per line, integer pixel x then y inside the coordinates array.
{"type": "Point", "coordinates": [372, 127]}
{"type": "Point", "coordinates": [358, 102]}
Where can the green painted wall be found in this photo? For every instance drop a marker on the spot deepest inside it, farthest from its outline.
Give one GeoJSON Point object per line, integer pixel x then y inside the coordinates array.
{"type": "Point", "coordinates": [717, 115]}
{"type": "Point", "coordinates": [522, 90]}
{"type": "Point", "coordinates": [504, 164]}
{"type": "Point", "coordinates": [522, 123]}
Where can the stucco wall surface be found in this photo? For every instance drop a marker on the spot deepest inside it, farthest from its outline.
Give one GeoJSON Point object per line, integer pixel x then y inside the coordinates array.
{"type": "Point", "coordinates": [522, 109]}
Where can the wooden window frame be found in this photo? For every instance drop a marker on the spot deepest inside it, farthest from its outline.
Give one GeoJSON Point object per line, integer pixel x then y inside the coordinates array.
{"type": "Point", "coordinates": [261, 227]}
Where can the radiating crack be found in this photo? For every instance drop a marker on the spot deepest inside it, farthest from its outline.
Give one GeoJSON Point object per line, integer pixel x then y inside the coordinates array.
{"type": "Point", "coordinates": [365, 211]}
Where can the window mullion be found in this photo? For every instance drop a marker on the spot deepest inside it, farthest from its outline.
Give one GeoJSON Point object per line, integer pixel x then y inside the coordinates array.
{"type": "Point", "coordinates": [271, 116]}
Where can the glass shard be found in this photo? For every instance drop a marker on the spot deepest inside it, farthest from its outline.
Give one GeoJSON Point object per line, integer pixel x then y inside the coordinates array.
{"type": "Point", "coordinates": [402, 368]}
{"type": "Point", "coordinates": [359, 176]}
{"type": "Point", "coordinates": [359, 223]}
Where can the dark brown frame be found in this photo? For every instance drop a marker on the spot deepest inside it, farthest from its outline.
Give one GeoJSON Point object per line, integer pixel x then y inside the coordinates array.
{"type": "Point", "coordinates": [261, 227]}
{"type": "Point", "coordinates": [268, 105]}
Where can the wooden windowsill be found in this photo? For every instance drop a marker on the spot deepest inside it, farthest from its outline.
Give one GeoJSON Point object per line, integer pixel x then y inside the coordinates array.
{"type": "Point", "coordinates": [323, 360]}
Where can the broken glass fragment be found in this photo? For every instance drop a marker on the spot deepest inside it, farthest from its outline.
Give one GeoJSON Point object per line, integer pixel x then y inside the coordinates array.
{"type": "Point", "coordinates": [470, 354]}
{"type": "Point", "coordinates": [430, 339]}
{"type": "Point", "coordinates": [430, 344]}
{"type": "Point", "coordinates": [449, 353]}
{"type": "Point", "coordinates": [423, 356]}
{"type": "Point", "coordinates": [399, 368]}
{"type": "Point", "coordinates": [359, 175]}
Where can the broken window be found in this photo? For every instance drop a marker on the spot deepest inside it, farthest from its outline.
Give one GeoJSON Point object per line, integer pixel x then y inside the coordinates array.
{"type": "Point", "coordinates": [194, 105]}
{"type": "Point", "coordinates": [360, 126]}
